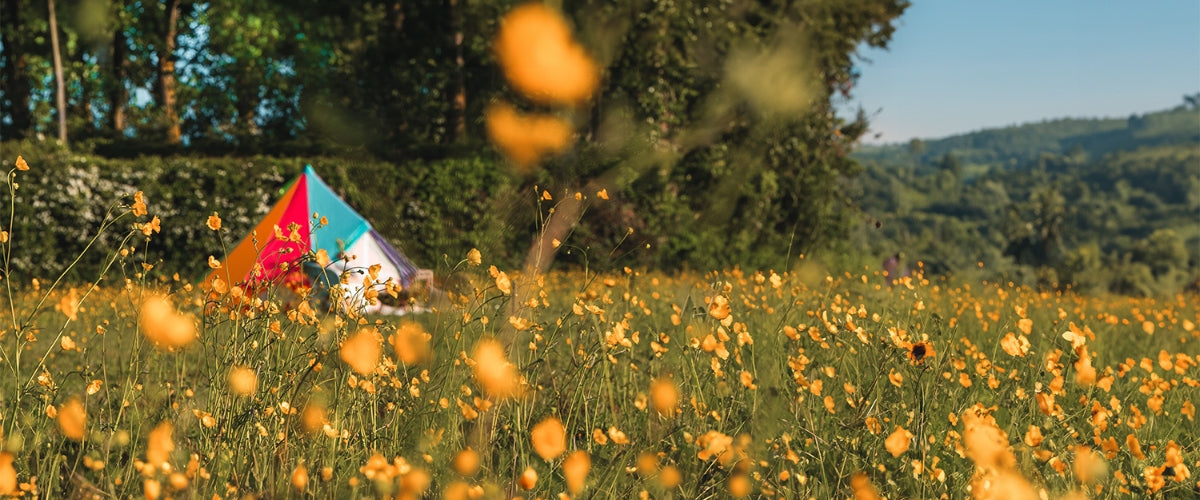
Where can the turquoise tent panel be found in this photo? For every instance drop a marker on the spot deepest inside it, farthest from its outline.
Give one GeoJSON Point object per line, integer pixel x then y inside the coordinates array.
{"type": "Point", "coordinates": [344, 223]}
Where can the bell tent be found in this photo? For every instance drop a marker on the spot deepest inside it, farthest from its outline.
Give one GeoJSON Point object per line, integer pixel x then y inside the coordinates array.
{"type": "Point", "coordinates": [273, 251]}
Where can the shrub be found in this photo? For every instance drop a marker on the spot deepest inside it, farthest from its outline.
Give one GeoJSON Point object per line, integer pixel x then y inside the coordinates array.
{"type": "Point", "coordinates": [426, 208]}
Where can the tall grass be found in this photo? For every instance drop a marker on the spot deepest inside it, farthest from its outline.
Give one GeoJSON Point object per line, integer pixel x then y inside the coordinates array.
{"type": "Point", "coordinates": [790, 383]}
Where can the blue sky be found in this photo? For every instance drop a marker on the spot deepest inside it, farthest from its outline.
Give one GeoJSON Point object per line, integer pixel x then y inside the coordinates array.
{"type": "Point", "coordinates": [960, 65]}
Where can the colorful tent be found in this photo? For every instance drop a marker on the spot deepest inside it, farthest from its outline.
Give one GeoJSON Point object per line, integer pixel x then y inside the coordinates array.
{"type": "Point", "coordinates": [272, 252]}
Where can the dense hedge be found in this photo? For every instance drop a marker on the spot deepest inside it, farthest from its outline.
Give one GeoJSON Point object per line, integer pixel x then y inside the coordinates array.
{"type": "Point", "coordinates": [434, 209]}
{"type": "Point", "coordinates": [427, 208]}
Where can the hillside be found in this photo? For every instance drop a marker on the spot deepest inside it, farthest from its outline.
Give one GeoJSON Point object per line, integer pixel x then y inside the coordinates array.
{"type": "Point", "coordinates": [1096, 205]}
{"type": "Point", "coordinates": [1081, 138]}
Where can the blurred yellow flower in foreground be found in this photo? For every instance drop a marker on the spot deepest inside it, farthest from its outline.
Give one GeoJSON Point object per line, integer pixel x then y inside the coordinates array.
{"type": "Point", "coordinates": [69, 304]}
{"type": "Point", "coordinates": [1005, 485]}
{"type": "Point", "coordinates": [362, 350]}
{"type": "Point", "coordinates": [715, 444]}
{"type": "Point", "coordinates": [575, 470]}
{"type": "Point", "coordinates": [664, 396]}
{"type": "Point", "coordinates": [8, 474]}
{"type": "Point", "coordinates": [541, 58]}
{"type": "Point", "coordinates": [898, 442]}
{"type": "Point", "coordinates": [411, 343]}
{"type": "Point", "coordinates": [313, 418]}
{"type": "Point", "coordinates": [984, 442]}
{"type": "Point", "coordinates": [528, 479]}
{"type": "Point", "coordinates": [526, 138]}
{"type": "Point", "coordinates": [862, 487]}
{"type": "Point", "coordinates": [549, 438]}
{"type": "Point", "coordinates": [72, 420]}
{"type": "Point", "coordinates": [494, 372]}
{"type": "Point", "coordinates": [160, 445]}
{"type": "Point", "coordinates": [242, 381]}
{"type": "Point", "coordinates": [1088, 465]}
{"type": "Point", "coordinates": [163, 325]}
{"type": "Point", "coordinates": [466, 462]}
{"type": "Point", "coordinates": [300, 478]}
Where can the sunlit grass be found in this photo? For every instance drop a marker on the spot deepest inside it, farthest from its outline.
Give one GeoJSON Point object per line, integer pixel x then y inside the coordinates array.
{"type": "Point", "coordinates": [771, 384]}
{"type": "Point", "coordinates": [797, 383]}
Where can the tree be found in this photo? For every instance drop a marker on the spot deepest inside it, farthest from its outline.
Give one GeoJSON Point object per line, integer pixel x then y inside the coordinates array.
{"type": "Point", "coordinates": [457, 118]}
{"type": "Point", "coordinates": [244, 66]}
{"type": "Point", "coordinates": [166, 72]}
{"type": "Point", "coordinates": [949, 163]}
{"type": "Point", "coordinates": [730, 131]}
{"type": "Point", "coordinates": [1191, 101]}
{"type": "Point", "coordinates": [717, 134]}
{"type": "Point", "coordinates": [16, 104]}
{"type": "Point", "coordinates": [1162, 251]}
{"type": "Point", "coordinates": [60, 92]}
{"type": "Point", "coordinates": [136, 45]}
{"type": "Point", "coordinates": [916, 148]}
{"type": "Point", "coordinates": [117, 74]}
{"type": "Point", "coordinates": [949, 175]}
{"type": "Point", "coordinates": [1034, 229]}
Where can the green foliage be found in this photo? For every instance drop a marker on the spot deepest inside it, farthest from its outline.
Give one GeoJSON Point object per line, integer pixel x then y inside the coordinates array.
{"type": "Point", "coordinates": [1124, 223]}
{"type": "Point", "coordinates": [1020, 145]}
{"type": "Point", "coordinates": [426, 208]}
{"type": "Point", "coordinates": [720, 109]}
{"type": "Point", "coordinates": [745, 151]}
{"type": "Point", "coordinates": [444, 207]}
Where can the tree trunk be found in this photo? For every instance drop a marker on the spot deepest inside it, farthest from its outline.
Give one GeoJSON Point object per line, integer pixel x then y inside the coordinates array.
{"type": "Point", "coordinates": [458, 106]}
{"type": "Point", "coordinates": [60, 94]}
{"type": "Point", "coordinates": [118, 95]}
{"type": "Point", "coordinates": [166, 73]}
{"type": "Point", "coordinates": [16, 75]}
{"type": "Point", "coordinates": [83, 103]}
{"type": "Point", "coordinates": [246, 116]}
{"type": "Point", "coordinates": [246, 104]}
{"type": "Point", "coordinates": [396, 16]}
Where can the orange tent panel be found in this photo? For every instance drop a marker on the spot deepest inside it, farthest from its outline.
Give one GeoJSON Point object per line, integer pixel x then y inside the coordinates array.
{"type": "Point", "coordinates": [241, 260]}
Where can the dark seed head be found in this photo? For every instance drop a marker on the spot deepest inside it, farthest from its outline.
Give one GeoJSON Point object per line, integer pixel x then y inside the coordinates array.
{"type": "Point", "coordinates": [918, 352]}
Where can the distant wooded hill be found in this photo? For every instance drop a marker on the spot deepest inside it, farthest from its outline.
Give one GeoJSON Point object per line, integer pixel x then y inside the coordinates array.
{"type": "Point", "coordinates": [976, 152]}
{"type": "Point", "coordinates": [1095, 205]}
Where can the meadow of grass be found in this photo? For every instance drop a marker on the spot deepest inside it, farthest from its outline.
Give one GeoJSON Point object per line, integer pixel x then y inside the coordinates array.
{"type": "Point", "coordinates": [796, 384]}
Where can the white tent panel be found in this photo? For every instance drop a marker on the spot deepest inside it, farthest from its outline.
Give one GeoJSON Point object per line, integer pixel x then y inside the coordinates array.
{"type": "Point", "coordinates": [363, 254]}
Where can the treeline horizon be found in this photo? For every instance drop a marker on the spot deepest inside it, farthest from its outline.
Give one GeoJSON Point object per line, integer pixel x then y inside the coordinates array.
{"type": "Point", "coordinates": [387, 76]}
{"type": "Point", "coordinates": [1015, 145]}
{"type": "Point", "coordinates": [1095, 206]}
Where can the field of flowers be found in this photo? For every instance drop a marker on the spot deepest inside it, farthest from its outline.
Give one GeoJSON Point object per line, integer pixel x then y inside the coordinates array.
{"type": "Point", "coordinates": [797, 384]}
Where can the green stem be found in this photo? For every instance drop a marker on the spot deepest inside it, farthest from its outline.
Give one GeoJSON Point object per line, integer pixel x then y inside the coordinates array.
{"type": "Point", "coordinates": [41, 302]}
